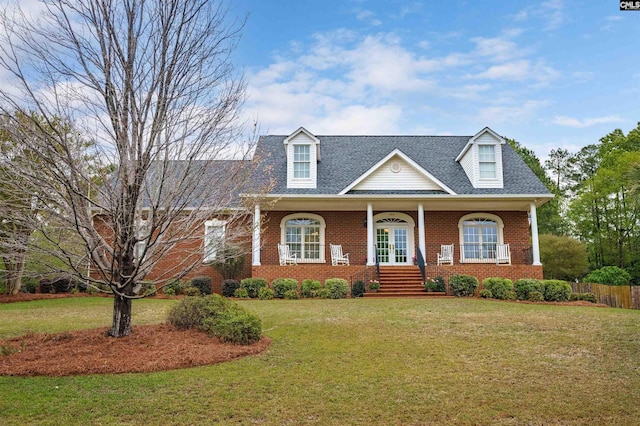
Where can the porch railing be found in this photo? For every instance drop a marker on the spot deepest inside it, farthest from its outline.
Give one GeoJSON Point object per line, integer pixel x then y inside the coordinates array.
{"type": "Point", "coordinates": [521, 254]}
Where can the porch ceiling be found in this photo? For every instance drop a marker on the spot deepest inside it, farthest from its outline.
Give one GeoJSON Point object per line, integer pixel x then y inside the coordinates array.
{"type": "Point", "coordinates": [393, 202]}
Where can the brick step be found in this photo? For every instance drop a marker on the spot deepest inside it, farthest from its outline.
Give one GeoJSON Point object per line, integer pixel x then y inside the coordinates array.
{"type": "Point", "coordinates": [401, 287]}
{"type": "Point", "coordinates": [408, 294]}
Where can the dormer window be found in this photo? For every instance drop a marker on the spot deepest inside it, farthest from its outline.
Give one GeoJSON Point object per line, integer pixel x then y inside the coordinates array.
{"type": "Point", "coordinates": [487, 159]}
{"type": "Point", "coordinates": [301, 161]}
{"type": "Point", "coordinates": [481, 159]}
{"type": "Point", "coordinates": [303, 154]}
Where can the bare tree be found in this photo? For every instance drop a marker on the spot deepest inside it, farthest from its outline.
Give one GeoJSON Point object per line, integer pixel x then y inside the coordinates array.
{"type": "Point", "coordinates": [152, 100]}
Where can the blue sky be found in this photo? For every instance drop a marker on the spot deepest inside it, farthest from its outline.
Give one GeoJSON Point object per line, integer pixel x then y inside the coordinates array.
{"type": "Point", "coordinates": [547, 73]}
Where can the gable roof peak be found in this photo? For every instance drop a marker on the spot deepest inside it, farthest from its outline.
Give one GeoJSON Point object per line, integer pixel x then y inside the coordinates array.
{"type": "Point", "coordinates": [303, 131]}
{"type": "Point", "coordinates": [475, 137]}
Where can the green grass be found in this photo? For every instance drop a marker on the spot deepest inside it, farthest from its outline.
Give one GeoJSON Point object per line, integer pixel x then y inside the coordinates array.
{"type": "Point", "coordinates": [360, 361]}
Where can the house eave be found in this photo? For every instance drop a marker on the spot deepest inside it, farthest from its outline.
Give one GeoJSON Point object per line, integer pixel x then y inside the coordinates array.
{"type": "Point", "coordinates": [398, 202]}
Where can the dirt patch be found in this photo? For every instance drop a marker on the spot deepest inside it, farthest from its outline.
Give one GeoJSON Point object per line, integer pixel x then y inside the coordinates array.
{"type": "Point", "coordinates": [148, 348]}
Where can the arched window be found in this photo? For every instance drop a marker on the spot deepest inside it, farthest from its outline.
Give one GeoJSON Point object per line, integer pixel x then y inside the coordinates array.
{"type": "Point", "coordinates": [304, 234]}
{"type": "Point", "coordinates": [480, 233]}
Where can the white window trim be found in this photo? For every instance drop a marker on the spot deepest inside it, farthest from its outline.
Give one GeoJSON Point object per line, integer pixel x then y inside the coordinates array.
{"type": "Point", "coordinates": [308, 162]}
{"type": "Point", "coordinates": [140, 246]}
{"type": "Point", "coordinates": [494, 162]}
{"type": "Point", "coordinates": [320, 219]}
{"type": "Point", "coordinates": [214, 223]}
{"type": "Point", "coordinates": [488, 216]}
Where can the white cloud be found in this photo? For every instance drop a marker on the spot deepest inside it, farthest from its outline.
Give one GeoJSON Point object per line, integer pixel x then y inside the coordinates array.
{"type": "Point", "coordinates": [508, 113]}
{"type": "Point", "coordinates": [497, 49]}
{"type": "Point", "coordinates": [522, 70]}
{"type": "Point", "coordinates": [550, 12]}
{"type": "Point", "coordinates": [563, 120]}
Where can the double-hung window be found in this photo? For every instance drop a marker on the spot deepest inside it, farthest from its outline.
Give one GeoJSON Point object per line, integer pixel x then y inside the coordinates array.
{"type": "Point", "coordinates": [301, 161]}
{"type": "Point", "coordinates": [487, 161]}
{"type": "Point", "coordinates": [214, 235]}
{"type": "Point", "coordinates": [142, 231]}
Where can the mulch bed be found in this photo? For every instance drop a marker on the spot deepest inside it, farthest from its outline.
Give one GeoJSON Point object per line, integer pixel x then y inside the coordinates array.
{"type": "Point", "coordinates": [148, 348]}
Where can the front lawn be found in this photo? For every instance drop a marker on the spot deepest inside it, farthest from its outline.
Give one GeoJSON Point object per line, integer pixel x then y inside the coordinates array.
{"type": "Point", "coordinates": [358, 361]}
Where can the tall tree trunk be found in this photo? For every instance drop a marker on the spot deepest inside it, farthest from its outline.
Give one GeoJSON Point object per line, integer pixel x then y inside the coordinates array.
{"type": "Point", "coordinates": [14, 267]}
{"type": "Point", "coordinates": [121, 325]}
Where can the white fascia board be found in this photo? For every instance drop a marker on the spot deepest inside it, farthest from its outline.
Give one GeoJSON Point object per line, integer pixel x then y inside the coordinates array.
{"type": "Point", "coordinates": [475, 137]}
{"type": "Point", "coordinates": [310, 135]}
{"type": "Point", "coordinates": [405, 158]}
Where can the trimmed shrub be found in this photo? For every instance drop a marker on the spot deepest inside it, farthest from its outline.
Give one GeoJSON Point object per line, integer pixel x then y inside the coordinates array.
{"type": "Point", "coordinates": [310, 288]}
{"type": "Point", "coordinates": [231, 262]}
{"type": "Point", "coordinates": [498, 286]}
{"type": "Point", "coordinates": [486, 294]}
{"type": "Point", "coordinates": [203, 284]}
{"type": "Point", "coordinates": [291, 295]}
{"type": "Point", "coordinates": [324, 293]}
{"type": "Point", "coordinates": [234, 326]}
{"type": "Point", "coordinates": [253, 285]}
{"type": "Point", "coordinates": [191, 291]}
{"type": "Point", "coordinates": [338, 287]}
{"type": "Point", "coordinates": [218, 316]}
{"type": "Point", "coordinates": [440, 286]}
{"type": "Point", "coordinates": [358, 289]}
{"type": "Point", "coordinates": [29, 285]}
{"type": "Point", "coordinates": [610, 275]}
{"type": "Point", "coordinates": [535, 296]}
{"type": "Point", "coordinates": [282, 285]}
{"type": "Point", "coordinates": [147, 288]}
{"type": "Point", "coordinates": [556, 290]}
{"type": "Point", "coordinates": [524, 286]}
{"type": "Point", "coordinates": [188, 313]}
{"type": "Point", "coordinates": [510, 295]}
{"type": "Point", "coordinates": [62, 284]}
{"type": "Point", "coordinates": [589, 297]}
{"type": "Point", "coordinates": [229, 287]}
{"type": "Point", "coordinates": [174, 288]}
{"type": "Point", "coordinates": [463, 285]}
{"type": "Point", "coordinates": [241, 293]}
{"type": "Point", "coordinates": [265, 293]}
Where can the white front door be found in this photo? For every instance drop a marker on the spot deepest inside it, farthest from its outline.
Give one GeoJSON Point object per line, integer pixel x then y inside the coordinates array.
{"type": "Point", "coordinates": [392, 243]}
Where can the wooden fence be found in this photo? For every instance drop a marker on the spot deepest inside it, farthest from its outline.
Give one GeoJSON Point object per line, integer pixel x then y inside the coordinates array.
{"type": "Point", "coordinates": [624, 296]}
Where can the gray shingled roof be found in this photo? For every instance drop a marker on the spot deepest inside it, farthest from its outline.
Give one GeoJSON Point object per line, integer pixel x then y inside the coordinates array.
{"type": "Point", "coordinates": [345, 158]}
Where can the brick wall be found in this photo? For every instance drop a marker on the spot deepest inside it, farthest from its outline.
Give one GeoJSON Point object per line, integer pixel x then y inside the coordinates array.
{"type": "Point", "coordinates": [349, 230]}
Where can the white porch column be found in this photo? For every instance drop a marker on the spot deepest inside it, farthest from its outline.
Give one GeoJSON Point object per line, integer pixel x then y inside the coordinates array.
{"type": "Point", "coordinates": [371, 255]}
{"type": "Point", "coordinates": [255, 261]}
{"type": "Point", "coordinates": [421, 241]}
{"type": "Point", "coordinates": [534, 234]}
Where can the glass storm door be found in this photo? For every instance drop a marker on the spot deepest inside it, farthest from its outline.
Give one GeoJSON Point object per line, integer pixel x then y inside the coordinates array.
{"type": "Point", "coordinates": [392, 245]}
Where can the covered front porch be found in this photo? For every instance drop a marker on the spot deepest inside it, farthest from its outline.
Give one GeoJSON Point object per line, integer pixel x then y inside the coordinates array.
{"type": "Point", "coordinates": [396, 232]}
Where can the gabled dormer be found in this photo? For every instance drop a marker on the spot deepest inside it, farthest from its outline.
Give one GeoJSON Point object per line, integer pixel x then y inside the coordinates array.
{"type": "Point", "coordinates": [481, 159]}
{"type": "Point", "coordinates": [303, 153]}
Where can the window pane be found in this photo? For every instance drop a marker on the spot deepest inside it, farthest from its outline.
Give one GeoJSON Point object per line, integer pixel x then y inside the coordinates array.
{"type": "Point", "coordinates": [301, 153]}
{"type": "Point", "coordinates": [301, 170]}
{"type": "Point", "coordinates": [486, 153]}
{"type": "Point", "coordinates": [487, 170]}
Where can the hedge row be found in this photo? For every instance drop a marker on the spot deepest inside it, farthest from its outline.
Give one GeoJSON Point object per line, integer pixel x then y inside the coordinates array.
{"type": "Point", "coordinates": [286, 288]}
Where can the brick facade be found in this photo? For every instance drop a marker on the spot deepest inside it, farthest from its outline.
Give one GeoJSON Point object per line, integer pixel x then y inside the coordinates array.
{"type": "Point", "coordinates": [349, 230]}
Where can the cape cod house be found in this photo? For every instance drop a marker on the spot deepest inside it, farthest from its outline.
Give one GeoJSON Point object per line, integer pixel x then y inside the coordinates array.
{"type": "Point", "coordinates": [341, 204]}
{"type": "Point", "coordinates": [352, 206]}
